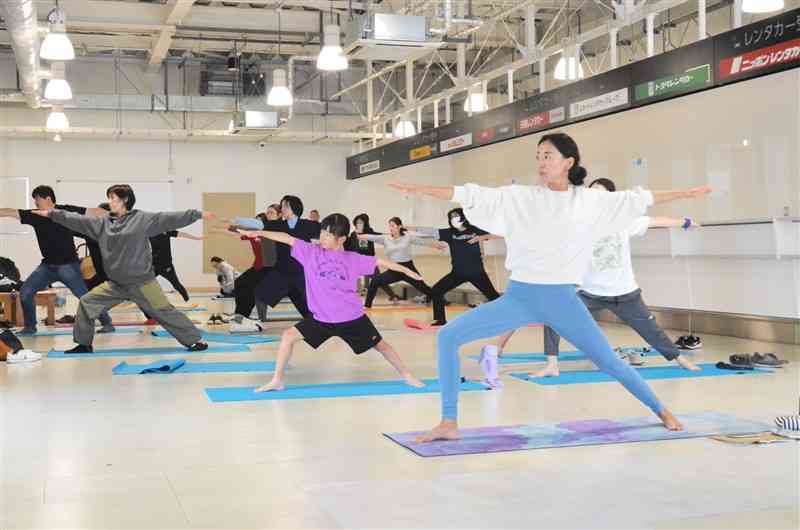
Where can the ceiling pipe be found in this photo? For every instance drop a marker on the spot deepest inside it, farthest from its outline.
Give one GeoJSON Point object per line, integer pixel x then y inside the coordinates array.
{"type": "Point", "coordinates": [21, 23]}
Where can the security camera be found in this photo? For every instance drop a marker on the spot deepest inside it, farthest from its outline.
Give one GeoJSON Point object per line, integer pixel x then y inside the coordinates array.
{"type": "Point", "coordinates": [262, 144]}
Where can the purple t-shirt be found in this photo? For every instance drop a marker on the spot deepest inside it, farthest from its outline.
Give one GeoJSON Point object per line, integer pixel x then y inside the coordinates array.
{"type": "Point", "coordinates": [332, 281]}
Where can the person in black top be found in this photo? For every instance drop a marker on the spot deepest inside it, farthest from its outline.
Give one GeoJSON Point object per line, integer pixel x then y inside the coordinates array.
{"type": "Point", "coordinates": [162, 258]}
{"type": "Point", "coordinates": [59, 258]}
{"type": "Point", "coordinates": [287, 276]}
{"type": "Point", "coordinates": [366, 248]}
{"type": "Point", "coordinates": [465, 255]}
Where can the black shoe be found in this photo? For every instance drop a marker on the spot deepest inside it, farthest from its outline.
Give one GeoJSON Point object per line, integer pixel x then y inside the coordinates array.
{"type": "Point", "coordinates": [743, 360]}
{"type": "Point", "coordinates": [80, 348]}
{"type": "Point", "coordinates": [66, 319]}
{"type": "Point", "coordinates": [689, 342]}
{"type": "Point", "coordinates": [437, 323]}
{"type": "Point", "coordinates": [198, 346]}
{"type": "Point", "coordinates": [725, 366]}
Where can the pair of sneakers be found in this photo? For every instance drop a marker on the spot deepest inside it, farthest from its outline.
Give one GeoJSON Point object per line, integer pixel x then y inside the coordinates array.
{"type": "Point", "coordinates": [216, 320]}
{"type": "Point", "coordinates": [689, 342]}
{"type": "Point", "coordinates": [634, 356]}
{"type": "Point", "coordinates": [489, 365]}
{"type": "Point", "coordinates": [245, 325]}
{"type": "Point", "coordinates": [23, 356]}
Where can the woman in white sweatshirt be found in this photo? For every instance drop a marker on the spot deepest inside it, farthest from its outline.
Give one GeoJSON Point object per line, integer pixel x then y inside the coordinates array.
{"type": "Point", "coordinates": [549, 231]}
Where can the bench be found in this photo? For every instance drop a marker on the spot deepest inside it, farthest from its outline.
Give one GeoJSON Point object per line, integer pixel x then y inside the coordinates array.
{"type": "Point", "coordinates": [13, 311]}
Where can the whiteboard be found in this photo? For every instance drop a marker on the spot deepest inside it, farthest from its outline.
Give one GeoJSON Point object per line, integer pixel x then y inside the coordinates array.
{"type": "Point", "coordinates": [14, 193]}
{"type": "Point", "coordinates": [151, 195]}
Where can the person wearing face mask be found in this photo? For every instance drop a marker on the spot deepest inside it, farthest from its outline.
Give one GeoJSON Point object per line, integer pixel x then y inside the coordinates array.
{"type": "Point", "coordinates": [366, 248]}
{"type": "Point", "coordinates": [397, 245]}
{"type": "Point", "coordinates": [287, 277]}
{"type": "Point", "coordinates": [610, 284]}
{"type": "Point", "coordinates": [550, 230]}
{"type": "Point", "coordinates": [465, 254]}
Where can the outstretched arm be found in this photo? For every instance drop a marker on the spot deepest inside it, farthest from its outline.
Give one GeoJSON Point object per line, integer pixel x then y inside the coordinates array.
{"type": "Point", "coordinates": [83, 224]}
{"type": "Point", "coordinates": [392, 266]}
{"type": "Point", "coordinates": [280, 237]}
{"type": "Point", "coordinates": [161, 222]}
{"type": "Point", "coordinates": [670, 222]}
{"type": "Point", "coordinates": [485, 237]}
{"type": "Point", "coordinates": [9, 212]}
{"type": "Point", "coordinates": [187, 235]}
{"type": "Point", "coordinates": [674, 195]}
{"type": "Point", "coordinates": [444, 193]}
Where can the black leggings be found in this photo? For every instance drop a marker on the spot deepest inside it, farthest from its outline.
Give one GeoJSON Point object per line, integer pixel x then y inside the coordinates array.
{"type": "Point", "coordinates": [385, 288]}
{"type": "Point", "coordinates": [244, 289]}
{"type": "Point", "coordinates": [169, 274]}
{"type": "Point", "coordinates": [277, 284]}
{"type": "Point", "coordinates": [390, 277]}
{"type": "Point", "coordinates": [452, 280]}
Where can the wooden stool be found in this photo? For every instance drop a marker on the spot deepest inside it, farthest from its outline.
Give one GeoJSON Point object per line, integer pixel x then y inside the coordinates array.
{"type": "Point", "coordinates": [13, 312]}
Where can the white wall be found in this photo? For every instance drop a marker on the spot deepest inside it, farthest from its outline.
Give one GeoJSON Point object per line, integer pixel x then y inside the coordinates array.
{"type": "Point", "coordinates": [685, 142]}
{"type": "Point", "coordinates": [314, 172]}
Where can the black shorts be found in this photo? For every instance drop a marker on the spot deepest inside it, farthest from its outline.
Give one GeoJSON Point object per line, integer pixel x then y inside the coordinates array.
{"type": "Point", "coordinates": [360, 334]}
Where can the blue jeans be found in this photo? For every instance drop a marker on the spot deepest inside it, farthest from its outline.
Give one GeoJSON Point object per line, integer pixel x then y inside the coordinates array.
{"type": "Point", "coordinates": [44, 275]}
{"type": "Point", "coordinates": [557, 306]}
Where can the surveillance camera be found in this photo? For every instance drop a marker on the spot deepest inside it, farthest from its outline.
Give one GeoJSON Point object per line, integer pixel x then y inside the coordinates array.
{"type": "Point", "coordinates": [262, 144]}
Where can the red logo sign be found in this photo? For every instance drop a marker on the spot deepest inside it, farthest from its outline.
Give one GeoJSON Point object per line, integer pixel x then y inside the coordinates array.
{"type": "Point", "coordinates": [534, 122]}
{"type": "Point", "coordinates": [486, 135]}
{"type": "Point", "coordinates": [784, 52]}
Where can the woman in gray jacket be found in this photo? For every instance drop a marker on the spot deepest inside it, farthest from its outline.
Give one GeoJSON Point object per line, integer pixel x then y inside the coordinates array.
{"type": "Point", "coordinates": [123, 238]}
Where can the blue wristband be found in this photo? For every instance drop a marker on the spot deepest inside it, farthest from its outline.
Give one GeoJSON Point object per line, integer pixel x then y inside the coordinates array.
{"type": "Point", "coordinates": [686, 223]}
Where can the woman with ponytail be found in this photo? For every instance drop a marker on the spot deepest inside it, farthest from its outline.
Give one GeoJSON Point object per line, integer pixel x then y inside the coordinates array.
{"type": "Point", "coordinates": [549, 231]}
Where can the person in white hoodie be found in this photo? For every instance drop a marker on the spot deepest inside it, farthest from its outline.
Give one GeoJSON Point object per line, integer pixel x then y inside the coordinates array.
{"type": "Point", "coordinates": [550, 230]}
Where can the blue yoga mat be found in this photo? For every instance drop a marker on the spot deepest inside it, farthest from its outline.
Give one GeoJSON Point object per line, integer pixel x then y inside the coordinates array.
{"type": "Point", "coordinates": [540, 357]}
{"type": "Point", "coordinates": [227, 338]}
{"type": "Point", "coordinates": [133, 352]}
{"type": "Point", "coordinates": [68, 332]}
{"type": "Point", "coordinates": [184, 367]}
{"type": "Point", "coordinates": [331, 390]}
{"type": "Point", "coordinates": [651, 372]}
{"type": "Point", "coordinates": [575, 433]}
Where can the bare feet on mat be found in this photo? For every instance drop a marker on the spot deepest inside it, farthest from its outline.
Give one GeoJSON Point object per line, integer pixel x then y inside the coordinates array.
{"type": "Point", "coordinates": [271, 386]}
{"type": "Point", "coordinates": [413, 381]}
{"type": "Point", "coordinates": [687, 364]}
{"type": "Point", "coordinates": [551, 370]}
{"type": "Point", "coordinates": [670, 421]}
{"type": "Point", "coordinates": [447, 430]}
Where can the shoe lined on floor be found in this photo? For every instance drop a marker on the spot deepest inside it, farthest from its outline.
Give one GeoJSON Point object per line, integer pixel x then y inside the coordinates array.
{"type": "Point", "coordinates": [80, 348]}
{"type": "Point", "coordinates": [725, 366]}
{"type": "Point", "coordinates": [246, 326]}
{"type": "Point", "coordinates": [23, 356]}
{"type": "Point", "coordinates": [788, 423]}
{"type": "Point", "coordinates": [689, 342]}
{"type": "Point", "coordinates": [769, 360]}
{"type": "Point", "coordinates": [66, 319]}
{"type": "Point", "coordinates": [198, 346]}
{"type": "Point", "coordinates": [741, 359]}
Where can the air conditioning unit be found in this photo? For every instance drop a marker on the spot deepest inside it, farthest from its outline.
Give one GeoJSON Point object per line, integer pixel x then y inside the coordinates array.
{"type": "Point", "coordinates": [387, 37]}
{"type": "Point", "coordinates": [254, 120]}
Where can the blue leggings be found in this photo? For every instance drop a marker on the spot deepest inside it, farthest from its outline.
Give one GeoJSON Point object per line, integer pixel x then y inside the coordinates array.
{"type": "Point", "coordinates": [557, 306]}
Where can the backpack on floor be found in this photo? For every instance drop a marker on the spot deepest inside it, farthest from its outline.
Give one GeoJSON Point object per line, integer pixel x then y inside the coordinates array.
{"type": "Point", "coordinates": [9, 276]}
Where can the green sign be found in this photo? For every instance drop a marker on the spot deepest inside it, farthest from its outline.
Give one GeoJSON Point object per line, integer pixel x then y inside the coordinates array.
{"type": "Point", "coordinates": [692, 79]}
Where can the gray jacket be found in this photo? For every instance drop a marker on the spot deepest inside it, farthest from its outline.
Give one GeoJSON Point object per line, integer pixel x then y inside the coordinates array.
{"type": "Point", "coordinates": [124, 242]}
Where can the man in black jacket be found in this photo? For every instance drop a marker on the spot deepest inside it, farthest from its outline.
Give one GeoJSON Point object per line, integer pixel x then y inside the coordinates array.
{"type": "Point", "coordinates": [287, 277]}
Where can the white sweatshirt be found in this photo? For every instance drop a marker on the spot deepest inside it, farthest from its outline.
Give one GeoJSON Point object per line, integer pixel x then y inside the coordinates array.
{"type": "Point", "coordinates": [397, 250]}
{"type": "Point", "coordinates": [550, 234]}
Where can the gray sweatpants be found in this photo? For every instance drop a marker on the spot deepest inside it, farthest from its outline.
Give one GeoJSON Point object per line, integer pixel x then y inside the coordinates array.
{"type": "Point", "coordinates": [630, 309]}
{"type": "Point", "coordinates": [150, 299]}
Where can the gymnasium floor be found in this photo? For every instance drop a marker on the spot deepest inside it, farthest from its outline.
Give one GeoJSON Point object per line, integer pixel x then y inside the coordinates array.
{"type": "Point", "coordinates": [83, 449]}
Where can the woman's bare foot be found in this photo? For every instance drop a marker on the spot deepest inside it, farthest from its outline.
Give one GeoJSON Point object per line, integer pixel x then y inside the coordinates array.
{"type": "Point", "coordinates": [687, 364]}
{"type": "Point", "coordinates": [413, 381]}
{"type": "Point", "coordinates": [272, 385]}
{"type": "Point", "coordinates": [551, 370]}
{"type": "Point", "coordinates": [670, 421]}
{"type": "Point", "coordinates": [447, 430]}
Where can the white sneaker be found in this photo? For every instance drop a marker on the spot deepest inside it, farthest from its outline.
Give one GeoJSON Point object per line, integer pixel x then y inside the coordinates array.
{"type": "Point", "coordinates": [23, 356]}
{"type": "Point", "coordinates": [245, 327]}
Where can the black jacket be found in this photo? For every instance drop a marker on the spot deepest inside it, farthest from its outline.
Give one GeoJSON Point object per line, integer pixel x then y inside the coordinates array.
{"type": "Point", "coordinates": [304, 229]}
